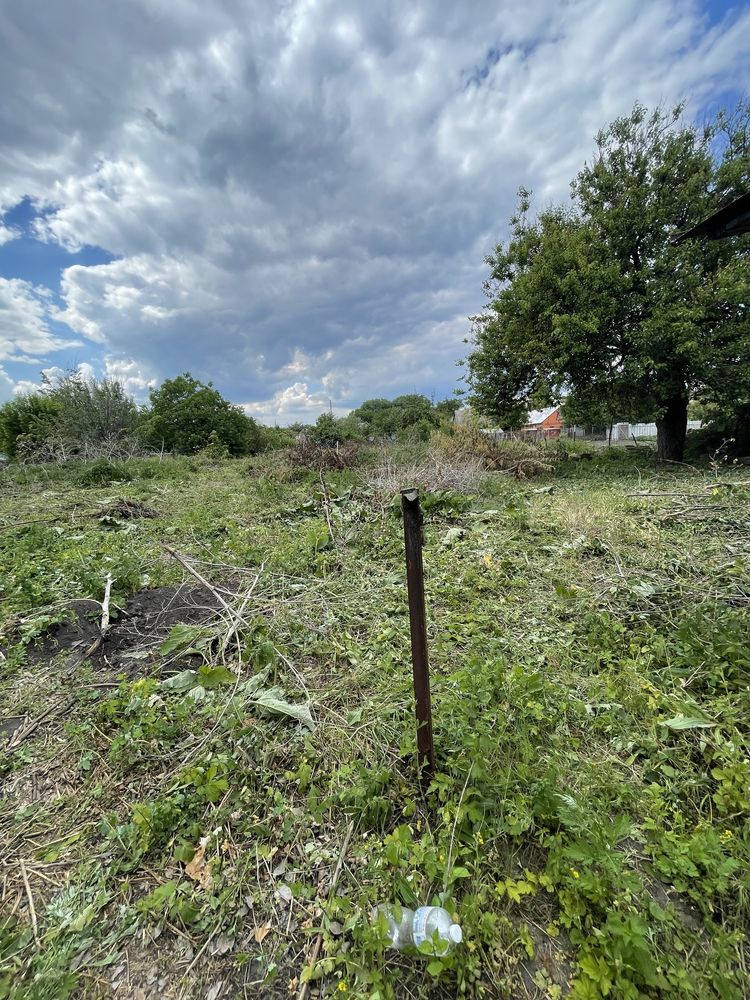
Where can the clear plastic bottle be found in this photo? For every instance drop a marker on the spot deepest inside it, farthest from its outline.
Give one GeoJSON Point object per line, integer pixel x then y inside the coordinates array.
{"type": "Point", "coordinates": [414, 927]}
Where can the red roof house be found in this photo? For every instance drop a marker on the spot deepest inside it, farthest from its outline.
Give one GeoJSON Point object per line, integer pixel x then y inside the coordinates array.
{"type": "Point", "coordinates": [547, 423]}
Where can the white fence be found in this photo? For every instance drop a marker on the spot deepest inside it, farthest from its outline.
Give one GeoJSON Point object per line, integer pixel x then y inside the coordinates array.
{"type": "Point", "coordinates": [621, 432]}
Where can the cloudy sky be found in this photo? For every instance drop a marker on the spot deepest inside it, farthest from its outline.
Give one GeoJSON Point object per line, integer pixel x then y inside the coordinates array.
{"type": "Point", "coordinates": [294, 198]}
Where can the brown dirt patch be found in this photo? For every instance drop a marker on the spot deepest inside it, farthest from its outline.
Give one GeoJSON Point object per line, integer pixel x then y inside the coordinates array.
{"type": "Point", "coordinates": [136, 631]}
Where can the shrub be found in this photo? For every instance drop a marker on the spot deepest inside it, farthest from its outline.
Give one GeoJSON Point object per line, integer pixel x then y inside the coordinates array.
{"type": "Point", "coordinates": [420, 430]}
{"type": "Point", "coordinates": [330, 430]}
{"type": "Point", "coordinates": [102, 471]}
{"type": "Point", "coordinates": [275, 438]}
{"type": "Point", "coordinates": [25, 422]}
{"type": "Point", "coordinates": [71, 416]}
{"type": "Point", "coordinates": [92, 411]}
{"type": "Point", "coordinates": [214, 449]}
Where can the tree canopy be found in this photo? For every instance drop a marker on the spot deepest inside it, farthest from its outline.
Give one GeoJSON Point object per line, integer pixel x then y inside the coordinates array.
{"type": "Point", "coordinates": [186, 415]}
{"type": "Point", "coordinates": [592, 304]}
{"type": "Point", "coordinates": [410, 415]}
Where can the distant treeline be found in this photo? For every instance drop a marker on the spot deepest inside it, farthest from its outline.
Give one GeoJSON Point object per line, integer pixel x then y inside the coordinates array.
{"type": "Point", "coordinates": [75, 416]}
{"type": "Point", "coordinates": [412, 418]}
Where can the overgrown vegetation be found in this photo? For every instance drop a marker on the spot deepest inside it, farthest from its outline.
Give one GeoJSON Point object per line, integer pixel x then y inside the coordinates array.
{"type": "Point", "coordinates": [77, 416]}
{"type": "Point", "coordinates": [183, 804]}
{"type": "Point", "coordinates": [72, 416]}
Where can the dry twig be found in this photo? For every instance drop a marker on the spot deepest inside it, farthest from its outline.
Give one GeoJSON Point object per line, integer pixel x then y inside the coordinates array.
{"type": "Point", "coordinates": [32, 909]}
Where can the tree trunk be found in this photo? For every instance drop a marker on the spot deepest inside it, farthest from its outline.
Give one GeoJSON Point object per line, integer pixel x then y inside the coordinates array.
{"type": "Point", "coordinates": [671, 429]}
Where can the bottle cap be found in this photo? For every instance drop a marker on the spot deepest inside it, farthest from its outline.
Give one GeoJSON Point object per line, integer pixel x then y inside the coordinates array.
{"type": "Point", "coordinates": [456, 934]}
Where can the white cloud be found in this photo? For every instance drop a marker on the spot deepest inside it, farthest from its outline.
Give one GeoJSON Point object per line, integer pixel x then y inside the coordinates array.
{"type": "Point", "coordinates": [55, 374]}
{"type": "Point", "coordinates": [416, 364]}
{"type": "Point", "coordinates": [25, 334]}
{"type": "Point", "coordinates": [6, 385]}
{"type": "Point", "coordinates": [25, 386]}
{"type": "Point", "coordinates": [127, 372]}
{"type": "Point", "coordinates": [300, 196]}
{"type": "Point", "coordinates": [130, 375]}
{"type": "Point", "coordinates": [7, 234]}
{"type": "Point", "coordinates": [296, 403]}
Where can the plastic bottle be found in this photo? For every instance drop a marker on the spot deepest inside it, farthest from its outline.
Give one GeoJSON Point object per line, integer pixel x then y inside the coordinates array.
{"type": "Point", "coordinates": [413, 927]}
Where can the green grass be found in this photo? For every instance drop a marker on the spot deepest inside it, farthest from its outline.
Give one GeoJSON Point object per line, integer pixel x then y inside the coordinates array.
{"type": "Point", "coordinates": [590, 658]}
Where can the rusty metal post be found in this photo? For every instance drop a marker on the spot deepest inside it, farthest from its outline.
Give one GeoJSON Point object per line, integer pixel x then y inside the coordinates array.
{"type": "Point", "coordinates": [418, 622]}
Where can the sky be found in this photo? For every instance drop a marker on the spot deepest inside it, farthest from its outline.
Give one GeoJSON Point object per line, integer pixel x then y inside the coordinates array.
{"type": "Point", "coordinates": [294, 198]}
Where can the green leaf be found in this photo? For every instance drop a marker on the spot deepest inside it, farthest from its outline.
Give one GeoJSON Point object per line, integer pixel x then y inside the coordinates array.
{"type": "Point", "coordinates": [435, 968]}
{"type": "Point", "coordinates": [214, 789]}
{"type": "Point", "coordinates": [54, 852]}
{"type": "Point", "coordinates": [187, 912]}
{"type": "Point", "coordinates": [84, 918]}
{"type": "Point", "coordinates": [206, 678]}
{"type": "Point", "coordinates": [157, 900]}
{"type": "Point", "coordinates": [688, 722]}
{"type": "Point", "coordinates": [255, 682]}
{"type": "Point", "coordinates": [213, 677]}
{"type": "Point", "coordinates": [452, 535]}
{"type": "Point", "coordinates": [180, 637]}
{"type": "Point", "coordinates": [115, 524]}
{"type": "Point", "coordinates": [271, 701]}
{"type": "Point", "coordinates": [184, 852]}
{"type": "Point", "coordinates": [181, 682]}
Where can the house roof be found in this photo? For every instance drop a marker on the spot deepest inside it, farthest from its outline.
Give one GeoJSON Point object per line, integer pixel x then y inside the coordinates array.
{"type": "Point", "coordinates": [539, 416]}
{"type": "Point", "coordinates": [732, 220]}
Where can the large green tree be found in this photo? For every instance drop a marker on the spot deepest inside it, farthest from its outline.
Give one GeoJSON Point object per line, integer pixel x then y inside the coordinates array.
{"type": "Point", "coordinates": [594, 304]}
{"type": "Point", "coordinates": [383, 417]}
{"type": "Point", "coordinates": [185, 413]}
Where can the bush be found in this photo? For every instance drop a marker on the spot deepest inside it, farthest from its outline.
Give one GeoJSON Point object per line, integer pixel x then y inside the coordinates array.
{"type": "Point", "coordinates": [275, 438]}
{"type": "Point", "coordinates": [72, 416]}
{"type": "Point", "coordinates": [92, 411]}
{"type": "Point", "coordinates": [25, 423]}
{"type": "Point", "coordinates": [330, 430]}
{"type": "Point", "coordinates": [718, 442]}
{"type": "Point", "coordinates": [410, 413]}
{"type": "Point", "coordinates": [102, 471]}
{"type": "Point", "coordinates": [420, 430]}
{"type": "Point", "coordinates": [214, 449]}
